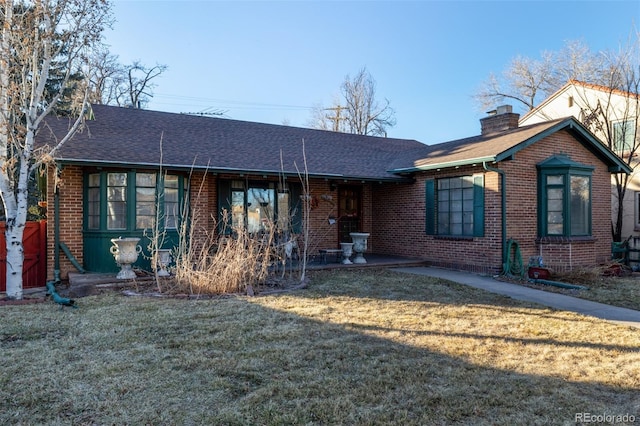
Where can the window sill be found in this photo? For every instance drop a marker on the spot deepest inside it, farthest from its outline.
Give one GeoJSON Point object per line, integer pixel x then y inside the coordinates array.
{"type": "Point", "coordinates": [565, 240]}
{"type": "Point", "coordinates": [454, 237]}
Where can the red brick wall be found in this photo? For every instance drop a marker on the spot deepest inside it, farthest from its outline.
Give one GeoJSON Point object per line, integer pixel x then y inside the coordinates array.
{"type": "Point", "coordinates": [322, 234]}
{"type": "Point", "coordinates": [522, 214]}
{"type": "Point", "coordinates": [70, 190]}
{"type": "Point", "coordinates": [367, 214]}
{"type": "Point", "coordinates": [394, 214]}
{"type": "Point", "coordinates": [202, 197]}
{"type": "Point", "coordinates": [399, 225]}
{"type": "Point", "coordinates": [399, 215]}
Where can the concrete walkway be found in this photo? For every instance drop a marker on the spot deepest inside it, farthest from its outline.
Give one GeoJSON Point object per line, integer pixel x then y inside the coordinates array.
{"type": "Point", "coordinates": [614, 314]}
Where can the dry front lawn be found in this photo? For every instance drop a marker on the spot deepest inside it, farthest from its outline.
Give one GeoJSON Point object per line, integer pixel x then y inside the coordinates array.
{"type": "Point", "coordinates": [355, 347]}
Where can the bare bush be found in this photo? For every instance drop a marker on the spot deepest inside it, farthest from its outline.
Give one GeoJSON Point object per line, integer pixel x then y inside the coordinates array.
{"type": "Point", "coordinates": [228, 262]}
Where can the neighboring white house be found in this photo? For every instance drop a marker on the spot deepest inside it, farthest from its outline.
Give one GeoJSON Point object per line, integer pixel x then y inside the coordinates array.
{"type": "Point", "coordinates": [612, 115]}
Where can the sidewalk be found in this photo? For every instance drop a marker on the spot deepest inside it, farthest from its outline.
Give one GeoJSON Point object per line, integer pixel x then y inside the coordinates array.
{"type": "Point", "coordinates": [623, 316]}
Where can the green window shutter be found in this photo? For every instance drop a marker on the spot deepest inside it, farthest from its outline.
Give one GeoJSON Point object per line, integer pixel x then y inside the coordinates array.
{"type": "Point", "coordinates": [430, 206]}
{"type": "Point", "coordinates": [224, 203]}
{"type": "Point", "coordinates": [478, 206]}
{"type": "Point", "coordinates": [296, 206]}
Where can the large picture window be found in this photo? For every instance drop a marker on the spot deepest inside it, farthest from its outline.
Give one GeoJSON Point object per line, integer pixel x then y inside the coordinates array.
{"type": "Point", "coordinates": [255, 206]}
{"type": "Point", "coordinates": [564, 198]}
{"type": "Point", "coordinates": [455, 206]}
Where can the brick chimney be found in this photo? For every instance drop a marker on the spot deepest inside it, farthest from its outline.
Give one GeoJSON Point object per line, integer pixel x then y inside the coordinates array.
{"type": "Point", "coordinates": [499, 120]}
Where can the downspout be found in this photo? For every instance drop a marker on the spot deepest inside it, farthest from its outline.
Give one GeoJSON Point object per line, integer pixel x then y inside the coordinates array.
{"type": "Point", "coordinates": [59, 245]}
{"type": "Point", "coordinates": [503, 209]}
{"type": "Point", "coordinates": [56, 228]}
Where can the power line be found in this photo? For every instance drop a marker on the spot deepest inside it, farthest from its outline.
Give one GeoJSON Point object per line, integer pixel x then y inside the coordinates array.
{"type": "Point", "coordinates": [228, 103]}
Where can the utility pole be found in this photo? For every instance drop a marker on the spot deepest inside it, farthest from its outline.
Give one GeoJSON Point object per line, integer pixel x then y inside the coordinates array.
{"type": "Point", "coordinates": [336, 118]}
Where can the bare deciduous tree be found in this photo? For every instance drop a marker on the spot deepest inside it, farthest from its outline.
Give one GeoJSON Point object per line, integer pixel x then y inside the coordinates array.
{"type": "Point", "coordinates": [139, 78]}
{"type": "Point", "coordinates": [613, 114]}
{"type": "Point", "coordinates": [43, 44]}
{"type": "Point", "coordinates": [358, 111]}
{"type": "Point", "coordinates": [529, 81]}
{"type": "Point", "coordinates": [108, 82]}
{"type": "Point", "coordinates": [607, 96]}
{"type": "Point", "coordinates": [576, 61]}
{"type": "Point", "coordinates": [524, 81]}
{"type": "Point", "coordinates": [113, 83]}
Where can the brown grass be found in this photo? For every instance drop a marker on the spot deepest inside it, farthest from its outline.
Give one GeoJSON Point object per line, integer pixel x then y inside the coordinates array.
{"type": "Point", "coordinates": [356, 347]}
{"type": "Point", "coordinates": [621, 291]}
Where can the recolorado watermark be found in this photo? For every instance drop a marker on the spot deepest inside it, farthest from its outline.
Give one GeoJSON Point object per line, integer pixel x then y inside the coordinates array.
{"type": "Point", "coordinates": [605, 418]}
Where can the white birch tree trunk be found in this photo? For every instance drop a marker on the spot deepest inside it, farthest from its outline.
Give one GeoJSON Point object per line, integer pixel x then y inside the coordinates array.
{"type": "Point", "coordinates": [13, 234]}
{"type": "Point", "coordinates": [35, 35]}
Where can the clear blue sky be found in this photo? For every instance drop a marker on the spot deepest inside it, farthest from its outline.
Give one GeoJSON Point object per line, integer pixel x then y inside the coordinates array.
{"type": "Point", "coordinates": [270, 61]}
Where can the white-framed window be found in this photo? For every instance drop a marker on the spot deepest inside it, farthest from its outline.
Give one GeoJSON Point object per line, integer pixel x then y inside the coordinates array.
{"type": "Point", "coordinates": [624, 134]}
{"type": "Point", "coordinates": [637, 210]}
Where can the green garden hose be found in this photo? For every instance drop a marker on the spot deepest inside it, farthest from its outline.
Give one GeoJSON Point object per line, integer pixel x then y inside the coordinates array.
{"type": "Point", "coordinates": [512, 265]}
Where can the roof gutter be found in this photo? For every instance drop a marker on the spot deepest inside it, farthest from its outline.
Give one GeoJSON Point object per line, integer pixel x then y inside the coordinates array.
{"type": "Point", "coordinates": [503, 209]}
{"type": "Point", "coordinates": [230, 170]}
{"type": "Point", "coordinates": [435, 166]}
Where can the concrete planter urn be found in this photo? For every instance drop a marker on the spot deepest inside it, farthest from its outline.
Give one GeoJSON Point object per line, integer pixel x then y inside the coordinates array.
{"type": "Point", "coordinates": [163, 259]}
{"type": "Point", "coordinates": [125, 251]}
{"type": "Point", "coordinates": [359, 246]}
{"type": "Point", "coordinates": [347, 251]}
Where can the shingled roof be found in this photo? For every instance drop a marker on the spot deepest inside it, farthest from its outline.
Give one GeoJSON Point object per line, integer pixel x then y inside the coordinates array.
{"type": "Point", "coordinates": [131, 137]}
{"type": "Point", "coordinates": [121, 136]}
{"type": "Point", "coordinates": [501, 146]}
